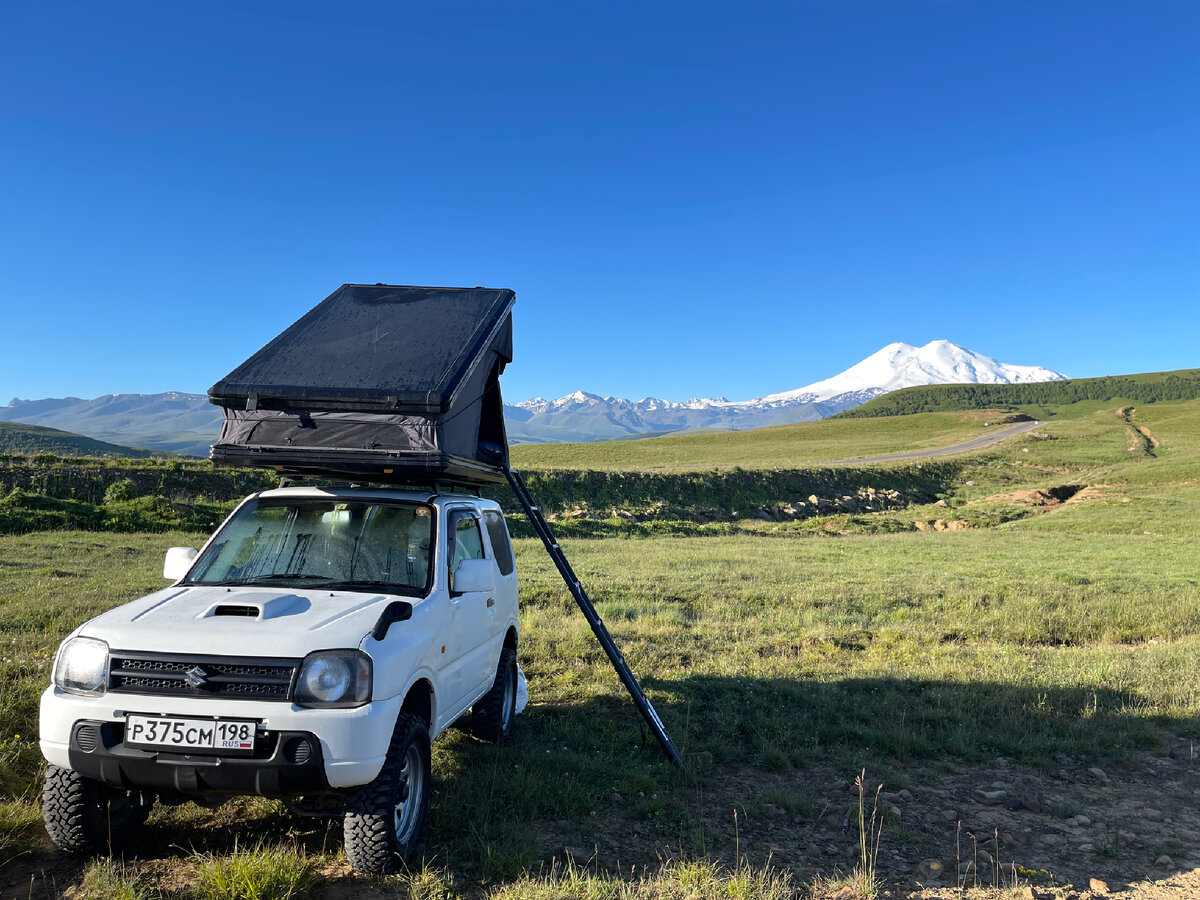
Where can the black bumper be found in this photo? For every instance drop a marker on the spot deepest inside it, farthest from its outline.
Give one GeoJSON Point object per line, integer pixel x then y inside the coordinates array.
{"type": "Point", "coordinates": [284, 764]}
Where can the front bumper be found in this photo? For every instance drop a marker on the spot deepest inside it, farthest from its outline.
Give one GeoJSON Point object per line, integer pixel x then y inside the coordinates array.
{"type": "Point", "coordinates": [349, 745]}
{"type": "Point", "coordinates": [284, 763]}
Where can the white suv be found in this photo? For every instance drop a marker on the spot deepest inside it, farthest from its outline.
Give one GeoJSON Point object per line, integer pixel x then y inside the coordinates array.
{"type": "Point", "coordinates": [310, 651]}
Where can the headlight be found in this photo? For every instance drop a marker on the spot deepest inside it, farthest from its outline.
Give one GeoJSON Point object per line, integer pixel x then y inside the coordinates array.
{"type": "Point", "coordinates": [334, 678]}
{"type": "Point", "coordinates": [82, 666]}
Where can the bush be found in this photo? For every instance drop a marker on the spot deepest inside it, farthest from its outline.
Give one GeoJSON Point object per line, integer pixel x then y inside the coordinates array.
{"type": "Point", "coordinates": [120, 492]}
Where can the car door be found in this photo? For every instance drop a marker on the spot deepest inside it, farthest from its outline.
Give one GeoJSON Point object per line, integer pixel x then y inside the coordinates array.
{"type": "Point", "coordinates": [473, 611]}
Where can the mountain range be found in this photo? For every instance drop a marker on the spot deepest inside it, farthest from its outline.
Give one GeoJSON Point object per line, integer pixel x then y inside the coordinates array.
{"type": "Point", "coordinates": [188, 423]}
{"type": "Point", "coordinates": [587, 417]}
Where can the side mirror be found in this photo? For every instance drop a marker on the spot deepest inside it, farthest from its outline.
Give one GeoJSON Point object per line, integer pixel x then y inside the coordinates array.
{"type": "Point", "coordinates": [473, 575]}
{"type": "Point", "coordinates": [178, 561]}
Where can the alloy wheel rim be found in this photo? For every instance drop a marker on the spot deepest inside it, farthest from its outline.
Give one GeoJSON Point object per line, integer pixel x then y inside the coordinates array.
{"type": "Point", "coordinates": [412, 783]}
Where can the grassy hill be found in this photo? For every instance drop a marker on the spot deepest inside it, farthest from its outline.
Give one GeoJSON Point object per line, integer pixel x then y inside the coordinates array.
{"type": "Point", "coordinates": [1042, 400]}
{"type": "Point", "coordinates": [172, 421]}
{"type": "Point", "coordinates": [17, 438]}
{"type": "Point", "coordinates": [780, 446]}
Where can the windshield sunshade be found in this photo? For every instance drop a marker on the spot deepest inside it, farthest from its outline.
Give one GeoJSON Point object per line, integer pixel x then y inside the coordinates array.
{"type": "Point", "coordinates": [357, 545]}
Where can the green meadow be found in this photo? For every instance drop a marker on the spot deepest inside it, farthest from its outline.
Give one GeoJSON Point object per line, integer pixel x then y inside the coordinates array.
{"type": "Point", "coordinates": [781, 446]}
{"type": "Point", "coordinates": [1060, 614]}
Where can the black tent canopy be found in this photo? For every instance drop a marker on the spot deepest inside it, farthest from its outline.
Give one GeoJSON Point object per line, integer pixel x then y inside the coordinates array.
{"type": "Point", "coordinates": [379, 382]}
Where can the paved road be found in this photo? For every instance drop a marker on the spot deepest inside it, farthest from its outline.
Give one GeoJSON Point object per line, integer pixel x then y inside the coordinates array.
{"type": "Point", "coordinates": [994, 436]}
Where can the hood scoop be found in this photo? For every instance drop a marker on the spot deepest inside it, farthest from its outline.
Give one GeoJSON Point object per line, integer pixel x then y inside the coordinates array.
{"type": "Point", "coordinates": [228, 609]}
{"type": "Point", "coordinates": [251, 606]}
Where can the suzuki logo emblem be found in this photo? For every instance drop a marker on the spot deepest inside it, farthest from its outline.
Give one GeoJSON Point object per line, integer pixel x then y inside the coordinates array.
{"type": "Point", "coordinates": [196, 676]}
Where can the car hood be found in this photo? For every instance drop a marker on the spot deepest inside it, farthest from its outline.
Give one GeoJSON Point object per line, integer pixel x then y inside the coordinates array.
{"type": "Point", "coordinates": [241, 621]}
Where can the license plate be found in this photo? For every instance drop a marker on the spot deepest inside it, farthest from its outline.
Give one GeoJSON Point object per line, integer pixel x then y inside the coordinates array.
{"type": "Point", "coordinates": [177, 733]}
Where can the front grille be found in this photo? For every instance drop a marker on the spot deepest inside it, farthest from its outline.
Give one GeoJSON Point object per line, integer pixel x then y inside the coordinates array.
{"type": "Point", "coordinates": [201, 676]}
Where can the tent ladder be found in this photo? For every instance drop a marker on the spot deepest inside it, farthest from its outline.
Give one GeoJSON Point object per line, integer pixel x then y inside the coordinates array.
{"type": "Point", "coordinates": [640, 700]}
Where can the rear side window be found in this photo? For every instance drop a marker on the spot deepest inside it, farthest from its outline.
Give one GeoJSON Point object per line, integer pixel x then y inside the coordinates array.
{"type": "Point", "coordinates": [501, 546]}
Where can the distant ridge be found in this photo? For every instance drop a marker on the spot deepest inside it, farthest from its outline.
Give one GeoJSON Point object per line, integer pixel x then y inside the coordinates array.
{"type": "Point", "coordinates": [188, 423]}
{"type": "Point", "coordinates": [582, 417]}
{"type": "Point", "coordinates": [172, 421]}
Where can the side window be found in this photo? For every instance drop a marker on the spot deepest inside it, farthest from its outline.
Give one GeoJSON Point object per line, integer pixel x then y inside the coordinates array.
{"type": "Point", "coordinates": [465, 536]}
{"type": "Point", "coordinates": [501, 546]}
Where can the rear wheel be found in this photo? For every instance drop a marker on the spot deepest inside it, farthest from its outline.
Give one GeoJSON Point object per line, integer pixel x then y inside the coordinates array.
{"type": "Point", "coordinates": [84, 815]}
{"type": "Point", "coordinates": [384, 818]}
{"type": "Point", "coordinates": [492, 717]}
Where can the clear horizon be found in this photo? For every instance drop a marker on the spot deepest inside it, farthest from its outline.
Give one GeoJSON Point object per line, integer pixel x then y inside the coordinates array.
{"type": "Point", "coordinates": [736, 202]}
{"type": "Point", "coordinates": [509, 401]}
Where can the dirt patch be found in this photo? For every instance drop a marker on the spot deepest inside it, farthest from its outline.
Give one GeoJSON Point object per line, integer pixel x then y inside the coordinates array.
{"type": "Point", "coordinates": [1184, 886]}
{"type": "Point", "coordinates": [997, 823]}
{"type": "Point", "coordinates": [941, 525]}
{"type": "Point", "coordinates": [1038, 497]}
{"type": "Point", "coordinates": [1143, 441]}
{"type": "Point", "coordinates": [1099, 492]}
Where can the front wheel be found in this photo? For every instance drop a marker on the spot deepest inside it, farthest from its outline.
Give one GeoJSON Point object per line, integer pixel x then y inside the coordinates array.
{"type": "Point", "coordinates": [384, 818]}
{"type": "Point", "coordinates": [83, 815]}
{"type": "Point", "coordinates": [492, 717]}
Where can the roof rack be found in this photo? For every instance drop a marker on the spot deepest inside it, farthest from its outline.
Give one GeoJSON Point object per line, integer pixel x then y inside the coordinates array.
{"type": "Point", "coordinates": [290, 479]}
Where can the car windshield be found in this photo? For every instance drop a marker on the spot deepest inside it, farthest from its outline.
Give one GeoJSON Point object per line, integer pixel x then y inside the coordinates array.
{"type": "Point", "coordinates": [354, 545]}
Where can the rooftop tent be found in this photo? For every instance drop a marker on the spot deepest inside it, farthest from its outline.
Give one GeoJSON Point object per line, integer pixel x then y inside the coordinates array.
{"type": "Point", "coordinates": [394, 384]}
{"type": "Point", "coordinates": [378, 382]}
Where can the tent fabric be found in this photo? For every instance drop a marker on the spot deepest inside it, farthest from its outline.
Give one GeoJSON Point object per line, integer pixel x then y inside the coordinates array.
{"type": "Point", "coordinates": [379, 382]}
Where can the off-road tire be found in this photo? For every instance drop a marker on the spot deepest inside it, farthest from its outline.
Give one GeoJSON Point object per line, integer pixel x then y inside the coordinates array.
{"type": "Point", "coordinates": [377, 837]}
{"type": "Point", "coordinates": [492, 717]}
{"type": "Point", "coordinates": [83, 815]}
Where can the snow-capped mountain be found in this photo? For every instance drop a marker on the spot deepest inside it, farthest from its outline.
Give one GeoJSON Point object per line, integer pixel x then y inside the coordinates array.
{"type": "Point", "coordinates": [582, 416]}
{"type": "Point", "coordinates": [902, 365]}
{"type": "Point", "coordinates": [188, 423]}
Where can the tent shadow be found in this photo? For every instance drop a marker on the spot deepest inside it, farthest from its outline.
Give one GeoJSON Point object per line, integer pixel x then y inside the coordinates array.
{"type": "Point", "coordinates": [912, 719]}
{"type": "Point", "coordinates": [584, 776]}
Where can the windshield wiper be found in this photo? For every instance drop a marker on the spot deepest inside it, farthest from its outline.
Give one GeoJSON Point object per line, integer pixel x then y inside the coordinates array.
{"type": "Point", "coordinates": [288, 576]}
{"type": "Point", "coordinates": [259, 579]}
{"type": "Point", "coordinates": [351, 584]}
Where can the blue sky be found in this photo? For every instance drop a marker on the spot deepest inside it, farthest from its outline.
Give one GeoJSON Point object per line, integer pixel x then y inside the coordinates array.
{"type": "Point", "coordinates": [690, 198]}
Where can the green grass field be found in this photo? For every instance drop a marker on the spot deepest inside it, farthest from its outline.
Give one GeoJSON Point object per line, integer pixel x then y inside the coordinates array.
{"type": "Point", "coordinates": [782, 446]}
{"type": "Point", "coordinates": [830, 645]}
